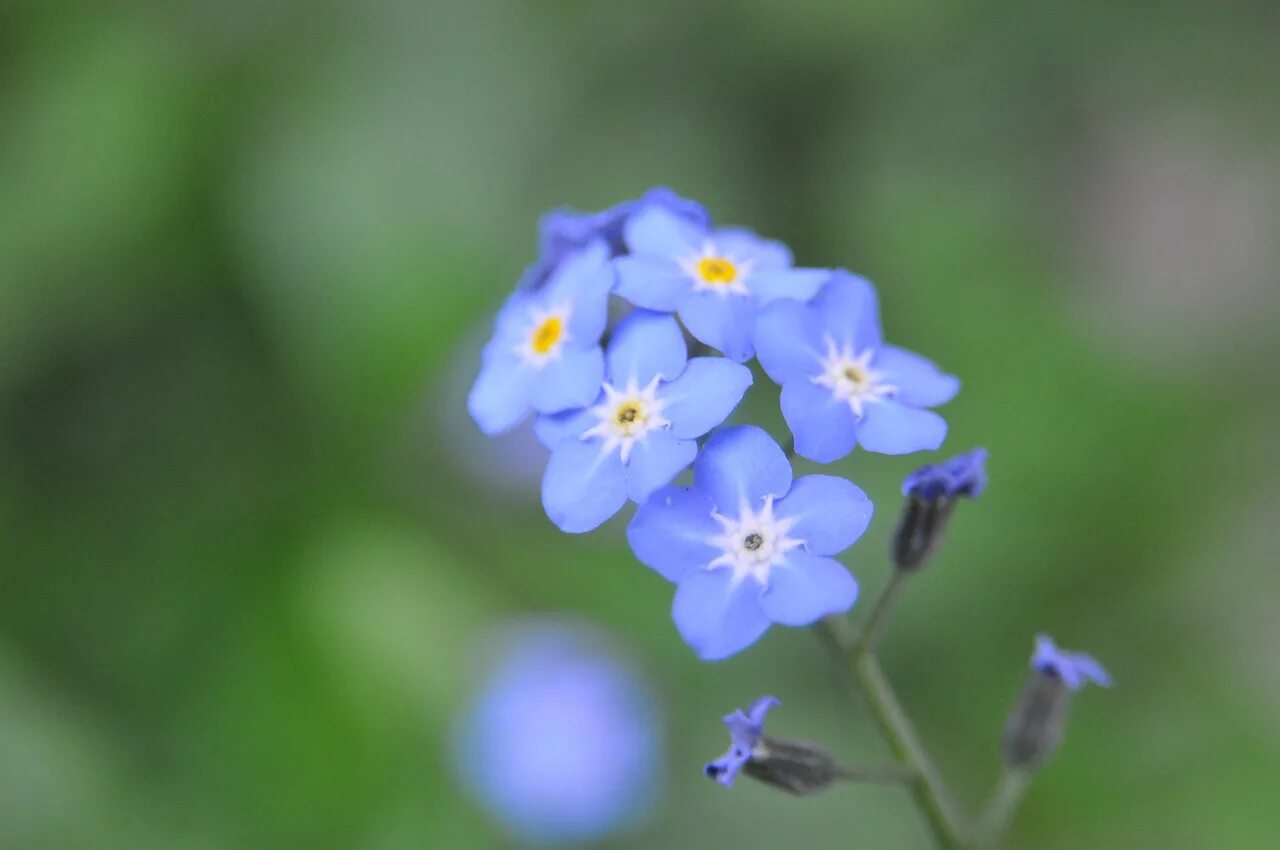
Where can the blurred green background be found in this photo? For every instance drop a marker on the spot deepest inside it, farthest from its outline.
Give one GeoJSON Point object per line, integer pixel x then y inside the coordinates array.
{"type": "Point", "coordinates": [248, 253]}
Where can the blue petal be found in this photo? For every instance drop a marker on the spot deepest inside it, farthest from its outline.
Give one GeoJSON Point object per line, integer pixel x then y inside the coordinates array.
{"type": "Point", "coordinates": [850, 311]}
{"type": "Point", "coordinates": [499, 399]}
{"type": "Point", "coordinates": [552, 428]}
{"type": "Point", "coordinates": [583, 281]}
{"type": "Point", "coordinates": [891, 428]}
{"type": "Point", "coordinates": [571, 380]}
{"type": "Point", "coordinates": [789, 341]}
{"type": "Point", "coordinates": [829, 513]}
{"type": "Point", "coordinates": [756, 713]}
{"type": "Point", "coordinates": [919, 382]}
{"type": "Point", "coordinates": [726, 768]}
{"type": "Point", "coordinates": [739, 467]}
{"type": "Point", "coordinates": [583, 487]}
{"type": "Point", "coordinates": [797, 284]}
{"type": "Point", "coordinates": [807, 588]}
{"type": "Point", "coordinates": [743, 247]}
{"type": "Point", "coordinates": [670, 531]}
{"type": "Point", "coordinates": [646, 344]}
{"type": "Point", "coordinates": [724, 321]}
{"type": "Point", "coordinates": [656, 231]}
{"type": "Point", "coordinates": [652, 282]}
{"type": "Point", "coordinates": [704, 396]}
{"type": "Point", "coordinates": [1091, 669]}
{"type": "Point", "coordinates": [655, 462]}
{"type": "Point", "coordinates": [716, 617]}
{"type": "Point", "coordinates": [823, 425]}
{"type": "Point", "coordinates": [684, 208]}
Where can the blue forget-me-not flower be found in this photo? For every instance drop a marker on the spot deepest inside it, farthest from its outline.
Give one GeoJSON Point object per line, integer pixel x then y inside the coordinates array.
{"type": "Point", "coordinates": [545, 352]}
{"type": "Point", "coordinates": [747, 546]}
{"type": "Point", "coordinates": [1074, 669]}
{"type": "Point", "coordinates": [841, 385]}
{"type": "Point", "coordinates": [562, 743]}
{"type": "Point", "coordinates": [642, 431]}
{"type": "Point", "coordinates": [745, 732]}
{"type": "Point", "coordinates": [561, 232]}
{"type": "Point", "coordinates": [715, 279]}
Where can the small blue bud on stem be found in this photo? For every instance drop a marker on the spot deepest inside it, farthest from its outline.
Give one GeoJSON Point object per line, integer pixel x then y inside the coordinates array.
{"type": "Point", "coordinates": [931, 493]}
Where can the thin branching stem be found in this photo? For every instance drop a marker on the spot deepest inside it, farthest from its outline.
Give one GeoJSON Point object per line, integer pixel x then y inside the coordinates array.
{"type": "Point", "coordinates": [866, 640]}
{"type": "Point", "coordinates": [926, 786]}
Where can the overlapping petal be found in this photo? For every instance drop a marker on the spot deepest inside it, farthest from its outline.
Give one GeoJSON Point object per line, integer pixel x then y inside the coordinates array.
{"type": "Point", "coordinates": [823, 426]}
{"type": "Point", "coordinates": [655, 462]}
{"type": "Point", "coordinates": [725, 322]}
{"type": "Point", "coordinates": [583, 486]}
{"type": "Point", "coordinates": [920, 383]}
{"type": "Point", "coordinates": [708, 391]}
{"type": "Point", "coordinates": [571, 380]}
{"type": "Point", "coordinates": [741, 466]}
{"type": "Point", "coordinates": [806, 589]}
{"type": "Point", "coordinates": [717, 616]}
{"type": "Point", "coordinates": [646, 345]}
{"type": "Point", "coordinates": [891, 428]}
{"type": "Point", "coordinates": [828, 513]}
{"type": "Point", "coordinates": [670, 533]}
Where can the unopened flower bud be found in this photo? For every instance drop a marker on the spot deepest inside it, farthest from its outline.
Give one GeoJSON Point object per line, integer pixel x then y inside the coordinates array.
{"type": "Point", "coordinates": [1035, 729]}
{"type": "Point", "coordinates": [795, 767]}
{"type": "Point", "coordinates": [931, 494]}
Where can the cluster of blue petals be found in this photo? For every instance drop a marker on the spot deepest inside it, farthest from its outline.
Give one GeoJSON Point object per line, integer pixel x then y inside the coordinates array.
{"type": "Point", "coordinates": [624, 409]}
{"type": "Point", "coordinates": [963, 475]}
{"type": "Point", "coordinates": [745, 732]}
{"type": "Point", "coordinates": [1075, 669]}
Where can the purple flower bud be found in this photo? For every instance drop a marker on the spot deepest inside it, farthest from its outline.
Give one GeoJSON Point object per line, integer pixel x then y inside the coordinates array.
{"type": "Point", "coordinates": [1035, 729]}
{"type": "Point", "coordinates": [931, 494]}
{"type": "Point", "coordinates": [794, 767]}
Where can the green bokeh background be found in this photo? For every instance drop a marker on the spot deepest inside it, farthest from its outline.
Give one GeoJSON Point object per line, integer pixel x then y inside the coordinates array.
{"type": "Point", "coordinates": [248, 252]}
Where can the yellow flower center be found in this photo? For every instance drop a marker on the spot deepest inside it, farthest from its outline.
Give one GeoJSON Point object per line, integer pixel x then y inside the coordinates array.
{"type": "Point", "coordinates": [717, 270]}
{"type": "Point", "coordinates": [547, 334]}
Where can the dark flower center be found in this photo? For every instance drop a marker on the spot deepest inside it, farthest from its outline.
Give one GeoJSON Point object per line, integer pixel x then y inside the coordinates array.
{"type": "Point", "coordinates": [753, 541]}
{"type": "Point", "coordinates": [628, 414]}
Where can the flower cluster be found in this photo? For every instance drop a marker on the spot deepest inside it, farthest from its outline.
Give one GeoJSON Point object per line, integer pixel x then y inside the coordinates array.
{"type": "Point", "coordinates": [625, 410]}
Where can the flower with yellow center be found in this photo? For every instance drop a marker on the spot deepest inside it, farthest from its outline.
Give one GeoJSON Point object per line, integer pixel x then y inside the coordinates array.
{"type": "Point", "coordinates": [547, 334]}
{"type": "Point", "coordinates": [713, 271]}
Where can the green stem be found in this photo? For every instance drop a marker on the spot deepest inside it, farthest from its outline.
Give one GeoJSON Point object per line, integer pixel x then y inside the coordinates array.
{"type": "Point", "coordinates": [866, 641]}
{"type": "Point", "coordinates": [1001, 808]}
{"type": "Point", "coordinates": [883, 774]}
{"type": "Point", "coordinates": [926, 786]}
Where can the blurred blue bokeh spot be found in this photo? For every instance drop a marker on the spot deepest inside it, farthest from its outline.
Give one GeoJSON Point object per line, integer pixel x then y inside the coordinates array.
{"type": "Point", "coordinates": [561, 743]}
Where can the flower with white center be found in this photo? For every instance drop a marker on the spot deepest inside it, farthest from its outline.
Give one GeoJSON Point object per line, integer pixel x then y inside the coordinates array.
{"type": "Point", "coordinates": [851, 378]}
{"type": "Point", "coordinates": [547, 334]}
{"type": "Point", "coordinates": [545, 353]}
{"type": "Point", "coordinates": [628, 415]}
{"type": "Point", "coordinates": [753, 542]}
{"type": "Point", "coordinates": [642, 430]}
{"type": "Point", "coordinates": [747, 546]}
{"type": "Point", "coordinates": [841, 385]}
{"type": "Point", "coordinates": [716, 279]}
